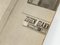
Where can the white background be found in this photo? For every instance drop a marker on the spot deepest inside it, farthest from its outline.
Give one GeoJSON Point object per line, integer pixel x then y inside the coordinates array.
{"type": "Point", "coordinates": [53, 36]}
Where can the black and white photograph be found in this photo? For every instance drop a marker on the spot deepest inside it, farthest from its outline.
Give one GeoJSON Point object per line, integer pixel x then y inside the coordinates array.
{"type": "Point", "coordinates": [49, 4]}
